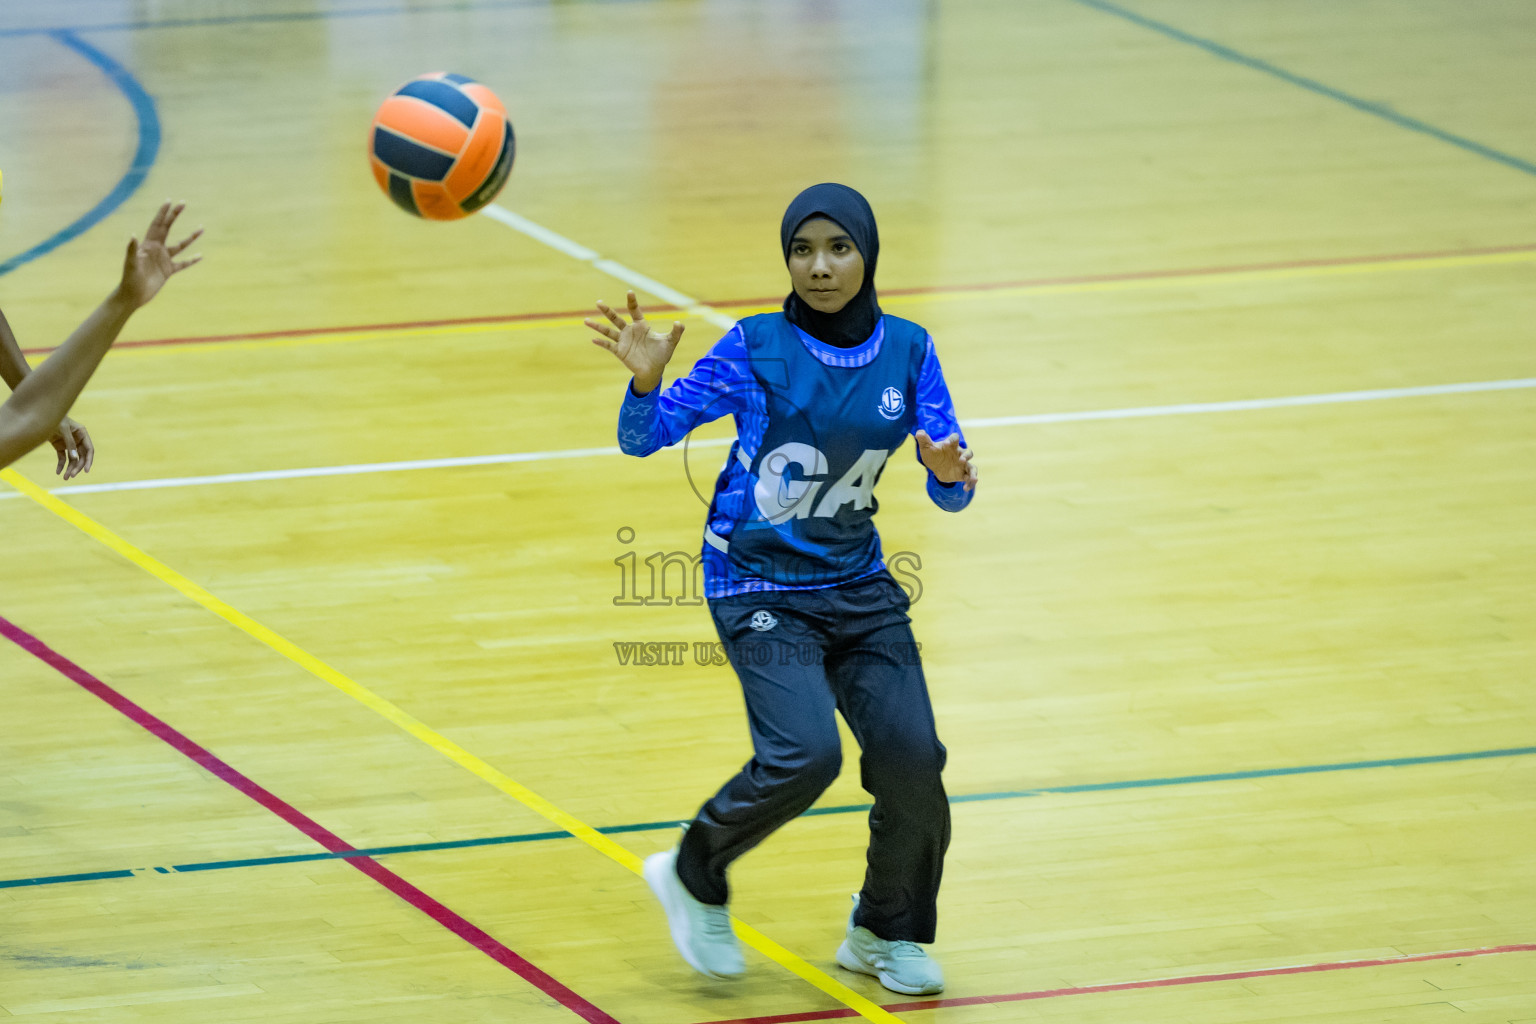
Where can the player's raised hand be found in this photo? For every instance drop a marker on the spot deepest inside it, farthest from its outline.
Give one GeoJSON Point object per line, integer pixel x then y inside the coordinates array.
{"type": "Point", "coordinates": [949, 462]}
{"type": "Point", "coordinates": [152, 262]}
{"type": "Point", "coordinates": [644, 351]}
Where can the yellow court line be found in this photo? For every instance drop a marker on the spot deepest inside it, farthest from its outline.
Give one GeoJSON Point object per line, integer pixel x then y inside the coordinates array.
{"type": "Point", "coordinates": [938, 295]}
{"type": "Point", "coordinates": [418, 729]}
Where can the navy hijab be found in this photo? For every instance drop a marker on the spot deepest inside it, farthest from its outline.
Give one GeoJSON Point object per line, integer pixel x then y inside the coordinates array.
{"type": "Point", "coordinates": [854, 323]}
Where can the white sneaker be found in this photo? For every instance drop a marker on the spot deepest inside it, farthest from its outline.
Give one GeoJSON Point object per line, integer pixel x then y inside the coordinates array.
{"type": "Point", "coordinates": [701, 931]}
{"type": "Point", "coordinates": [900, 965]}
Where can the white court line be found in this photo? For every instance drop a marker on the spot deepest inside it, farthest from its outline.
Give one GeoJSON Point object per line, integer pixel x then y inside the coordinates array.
{"type": "Point", "coordinates": [633, 278]}
{"type": "Point", "coordinates": [1247, 404]}
{"type": "Point", "coordinates": [1135, 412]}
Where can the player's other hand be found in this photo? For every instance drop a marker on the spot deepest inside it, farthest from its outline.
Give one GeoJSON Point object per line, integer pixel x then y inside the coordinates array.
{"type": "Point", "coordinates": [151, 263]}
{"type": "Point", "coordinates": [76, 450]}
{"type": "Point", "coordinates": [948, 461]}
{"type": "Point", "coordinates": [644, 351]}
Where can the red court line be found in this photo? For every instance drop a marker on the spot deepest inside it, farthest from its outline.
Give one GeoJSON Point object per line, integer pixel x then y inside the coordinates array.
{"type": "Point", "coordinates": [306, 332]}
{"type": "Point", "coordinates": [1127, 986]}
{"type": "Point", "coordinates": [1227, 268]}
{"type": "Point", "coordinates": [449, 919]}
{"type": "Point", "coordinates": [987, 286]}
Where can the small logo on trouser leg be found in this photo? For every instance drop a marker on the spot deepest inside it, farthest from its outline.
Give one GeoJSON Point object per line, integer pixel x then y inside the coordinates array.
{"type": "Point", "coordinates": [763, 621]}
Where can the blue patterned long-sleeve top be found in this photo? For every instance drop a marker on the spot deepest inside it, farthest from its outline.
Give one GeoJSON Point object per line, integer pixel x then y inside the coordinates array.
{"type": "Point", "coordinates": [814, 427]}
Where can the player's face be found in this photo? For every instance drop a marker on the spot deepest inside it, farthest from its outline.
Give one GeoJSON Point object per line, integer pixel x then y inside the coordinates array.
{"type": "Point", "coordinates": [824, 265]}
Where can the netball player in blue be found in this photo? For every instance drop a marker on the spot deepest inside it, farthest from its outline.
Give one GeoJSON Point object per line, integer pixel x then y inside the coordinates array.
{"type": "Point", "coordinates": [822, 394]}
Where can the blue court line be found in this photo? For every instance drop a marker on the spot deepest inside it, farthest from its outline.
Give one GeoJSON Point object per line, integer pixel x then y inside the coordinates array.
{"type": "Point", "coordinates": [84, 876]}
{"type": "Point", "coordinates": [1312, 85]}
{"type": "Point", "coordinates": [143, 157]}
{"type": "Point", "coordinates": [278, 17]}
{"type": "Point", "coordinates": [656, 826]}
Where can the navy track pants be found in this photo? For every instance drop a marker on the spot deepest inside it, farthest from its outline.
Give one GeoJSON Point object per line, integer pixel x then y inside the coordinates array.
{"type": "Point", "coordinates": [800, 655]}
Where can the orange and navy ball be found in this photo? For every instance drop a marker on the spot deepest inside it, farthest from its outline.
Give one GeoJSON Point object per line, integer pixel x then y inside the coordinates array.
{"type": "Point", "coordinates": [441, 147]}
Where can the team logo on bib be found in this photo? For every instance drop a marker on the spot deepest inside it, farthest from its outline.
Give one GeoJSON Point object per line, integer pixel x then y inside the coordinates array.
{"type": "Point", "coordinates": [891, 403]}
{"type": "Point", "coordinates": [763, 621]}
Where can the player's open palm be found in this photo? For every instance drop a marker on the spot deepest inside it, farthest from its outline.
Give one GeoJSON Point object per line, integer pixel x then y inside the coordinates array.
{"type": "Point", "coordinates": [949, 462]}
{"type": "Point", "coordinates": [644, 351]}
{"type": "Point", "coordinates": [152, 262]}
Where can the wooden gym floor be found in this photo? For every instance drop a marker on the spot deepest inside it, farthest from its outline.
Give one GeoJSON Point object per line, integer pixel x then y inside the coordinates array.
{"type": "Point", "coordinates": [1234, 653]}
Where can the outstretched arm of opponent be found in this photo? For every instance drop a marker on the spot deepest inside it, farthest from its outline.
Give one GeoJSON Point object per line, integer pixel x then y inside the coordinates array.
{"type": "Point", "coordinates": [77, 453]}
{"type": "Point", "coordinates": [43, 396]}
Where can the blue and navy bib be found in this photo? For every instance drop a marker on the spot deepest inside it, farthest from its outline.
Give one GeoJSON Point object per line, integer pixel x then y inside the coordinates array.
{"type": "Point", "coordinates": [834, 417]}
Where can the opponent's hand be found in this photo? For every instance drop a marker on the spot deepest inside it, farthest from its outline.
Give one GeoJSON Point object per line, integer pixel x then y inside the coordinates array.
{"type": "Point", "coordinates": [644, 351]}
{"type": "Point", "coordinates": [76, 450]}
{"type": "Point", "coordinates": [151, 263]}
{"type": "Point", "coordinates": [948, 461]}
